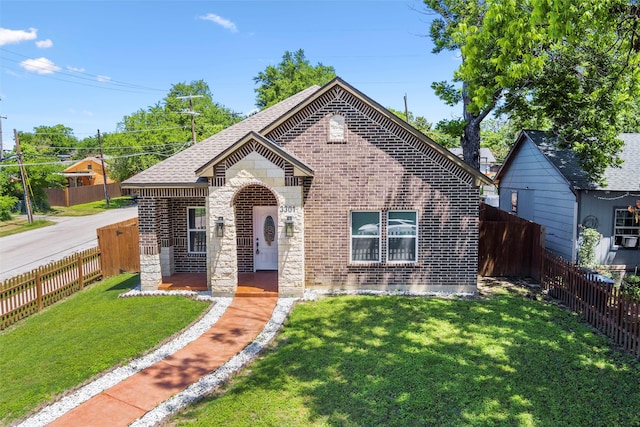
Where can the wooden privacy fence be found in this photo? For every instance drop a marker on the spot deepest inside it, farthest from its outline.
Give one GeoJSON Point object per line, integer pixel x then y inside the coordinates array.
{"type": "Point", "coordinates": [77, 195]}
{"type": "Point", "coordinates": [119, 246]}
{"type": "Point", "coordinates": [603, 305]}
{"type": "Point", "coordinates": [30, 292]}
{"type": "Point", "coordinates": [509, 246]}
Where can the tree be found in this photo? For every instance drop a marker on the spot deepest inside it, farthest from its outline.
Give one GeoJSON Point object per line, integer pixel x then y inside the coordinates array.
{"type": "Point", "coordinates": [42, 164]}
{"type": "Point", "coordinates": [423, 125]}
{"type": "Point", "coordinates": [150, 135]}
{"type": "Point", "coordinates": [572, 64]}
{"type": "Point", "coordinates": [289, 77]}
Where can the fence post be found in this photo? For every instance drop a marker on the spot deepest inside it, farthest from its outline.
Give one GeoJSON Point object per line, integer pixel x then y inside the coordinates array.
{"type": "Point", "coordinates": [80, 276]}
{"type": "Point", "coordinates": [39, 289]}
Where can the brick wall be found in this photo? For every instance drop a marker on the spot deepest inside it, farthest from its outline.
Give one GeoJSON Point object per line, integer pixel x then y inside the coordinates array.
{"type": "Point", "coordinates": [379, 165]}
{"type": "Point", "coordinates": [185, 262]}
{"type": "Point", "coordinates": [245, 200]}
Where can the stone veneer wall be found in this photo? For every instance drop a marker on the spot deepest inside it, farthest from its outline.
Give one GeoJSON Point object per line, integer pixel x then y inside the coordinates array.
{"type": "Point", "coordinates": [241, 177]}
{"type": "Point", "coordinates": [378, 165]}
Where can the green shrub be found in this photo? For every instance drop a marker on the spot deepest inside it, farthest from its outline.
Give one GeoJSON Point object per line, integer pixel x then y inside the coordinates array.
{"type": "Point", "coordinates": [589, 238]}
{"type": "Point", "coordinates": [631, 286]}
{"type": "Point", "coordinates": [6, 205]}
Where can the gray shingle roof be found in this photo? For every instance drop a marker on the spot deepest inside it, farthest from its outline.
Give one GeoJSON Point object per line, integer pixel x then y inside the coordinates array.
{"type": "Point", "coordinates": [624, 178]}
{"type": "Point", "coordinates": [179, 169]}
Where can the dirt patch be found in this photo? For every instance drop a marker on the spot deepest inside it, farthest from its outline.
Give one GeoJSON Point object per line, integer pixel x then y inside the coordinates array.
{"type": "Point", "coordinates": [525, 287]}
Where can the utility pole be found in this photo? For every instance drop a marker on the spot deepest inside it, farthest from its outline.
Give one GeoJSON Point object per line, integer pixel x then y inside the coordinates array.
{"type": "Point", "coordinates": [104, 171]}
{"type": "Point", "coordinates": [406, 108]}
{"type": "Point", "coordinates": [192, 114]}
{"type": "Point", "coordinates": [1, 146]}
{"type": "Point", "coordinates": [23, 175]}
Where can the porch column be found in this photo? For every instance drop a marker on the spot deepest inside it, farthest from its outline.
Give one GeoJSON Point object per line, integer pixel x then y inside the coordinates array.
{"type": "Point", "coordinates": [222, 258]}
{"type": "Point", "coordinates": [291, 249]}
{"type": "Point", "coordinates": [150, 266]}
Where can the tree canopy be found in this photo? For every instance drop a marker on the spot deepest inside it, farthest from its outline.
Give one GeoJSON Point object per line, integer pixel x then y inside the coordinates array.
{"type": "Point", "coordinates": [568, 66]}
{"type": "Point", "coordinates": [292, 75]}
{"type": "Point", "coordinates": [150, 135]}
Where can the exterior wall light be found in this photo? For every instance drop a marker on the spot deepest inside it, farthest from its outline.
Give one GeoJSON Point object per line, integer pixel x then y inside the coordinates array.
{"type": "Point", "coordinates": [288, 227]}
{"type": "Point", "coordinates": [219, 227]}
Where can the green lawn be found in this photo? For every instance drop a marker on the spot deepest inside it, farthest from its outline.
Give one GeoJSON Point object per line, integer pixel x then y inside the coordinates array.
{"type": "Point", "coordinates": [398, 361]}
{"type": "Point", "coordinates": [91, 208]}
{"type": "Point", "coordinates": [74, 340]}
{"type": "Point", "coordinates": [18, 225]}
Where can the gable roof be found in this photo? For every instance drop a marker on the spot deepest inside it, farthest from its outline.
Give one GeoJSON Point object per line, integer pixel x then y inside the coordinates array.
{"type": "Point", "coordinates": [300, 168]}
{"type": "Point", "coordinates": [180, 169]}
{"type": "Point", "coordinates": [623, 178]}
{"type": "Point", "coordinates": [185, 169]}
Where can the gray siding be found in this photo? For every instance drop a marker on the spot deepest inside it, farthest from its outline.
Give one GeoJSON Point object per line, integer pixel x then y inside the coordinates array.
{"type": "Point", "coordinates": [600, 206]}
{"type": "Point", "coordinates": [544, 197]}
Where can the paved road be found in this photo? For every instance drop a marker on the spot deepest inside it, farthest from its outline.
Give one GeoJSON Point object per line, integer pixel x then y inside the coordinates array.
{"type": "Point", "coordinates": [23, 252]}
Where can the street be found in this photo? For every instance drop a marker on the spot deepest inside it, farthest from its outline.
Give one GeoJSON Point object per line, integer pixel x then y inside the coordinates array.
{"type": "Point", "coordinates": [26, 251]}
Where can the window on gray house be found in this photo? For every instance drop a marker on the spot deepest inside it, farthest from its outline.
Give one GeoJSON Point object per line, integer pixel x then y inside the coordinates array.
{"type": "Point", "coordinates": [196, 230]}
{"type": "Point", "coordinates": [365, 236]}
{"type": "Point", "coordinates": [626, 231]}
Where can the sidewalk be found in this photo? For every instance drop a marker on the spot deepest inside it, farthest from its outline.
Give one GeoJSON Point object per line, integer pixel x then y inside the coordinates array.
{"type": "Point", "coordinates": [180, 377]}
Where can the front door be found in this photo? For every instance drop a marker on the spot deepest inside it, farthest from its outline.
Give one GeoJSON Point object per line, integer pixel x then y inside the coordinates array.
{"type": "Point", "coordinates": [265, 238]}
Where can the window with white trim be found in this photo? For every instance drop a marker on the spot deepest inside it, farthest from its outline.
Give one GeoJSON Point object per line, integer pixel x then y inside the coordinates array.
{"type": "Point", "coordinates": [196, 230]}
{"type": "Point", "coordinates": [402, 236]}
{"type": "Point", "coordinates": [626, 231]}
{"type": "Point", "coordinates": [365, 236]}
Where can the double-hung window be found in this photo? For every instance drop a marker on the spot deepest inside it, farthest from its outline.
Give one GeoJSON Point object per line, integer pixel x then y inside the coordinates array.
{"type": "Point", "coordinates": [626, 230]}
{"type": "Point", "coordinates": [365, 236]}
{"type": "Point", "coordinates": [196, 230]}
{"type": "Point", "coordinates": [402, 236]}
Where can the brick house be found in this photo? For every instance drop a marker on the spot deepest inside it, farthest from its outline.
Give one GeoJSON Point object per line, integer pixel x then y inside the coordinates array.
{"type": "Point", "coordinates": [328, 188]}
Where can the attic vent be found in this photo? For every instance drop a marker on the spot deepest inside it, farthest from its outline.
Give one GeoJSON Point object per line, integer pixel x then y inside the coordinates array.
{"type": "Point", "coordinates": [337, 128]}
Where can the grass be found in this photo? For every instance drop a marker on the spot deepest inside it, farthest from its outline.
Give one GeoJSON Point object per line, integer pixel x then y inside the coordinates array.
{"type": "Point", "coordinates": [91, 208]}
{"type": "Point", "coordinates": [72, 341]}
{"type": "Point", "coordinates": [18, 225]}
{"type": "Point", "coordinates": [397, 361]}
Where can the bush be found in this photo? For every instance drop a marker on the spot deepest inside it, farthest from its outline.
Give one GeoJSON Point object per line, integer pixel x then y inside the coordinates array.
{"type": "Point", "coordinates": [631, 286]}
{"type": "Point", "coordinates": [6, 205]}
{"type": "Point", "coordinates": [589, 238]}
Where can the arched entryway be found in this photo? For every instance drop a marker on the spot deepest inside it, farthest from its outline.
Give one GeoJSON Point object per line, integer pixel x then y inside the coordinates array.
{"type": "Point", "coordinates": [256, 214]}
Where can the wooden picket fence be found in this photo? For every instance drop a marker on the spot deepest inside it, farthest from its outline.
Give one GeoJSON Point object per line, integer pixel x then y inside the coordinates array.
{"type": "Point", "coordinates": [29, 293]}
{"type": "Point", "coordinates": [603, 305]}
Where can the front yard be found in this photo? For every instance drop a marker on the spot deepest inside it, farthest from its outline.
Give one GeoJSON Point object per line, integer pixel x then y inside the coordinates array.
{"type": "Point", "coordinates": [506, 359]}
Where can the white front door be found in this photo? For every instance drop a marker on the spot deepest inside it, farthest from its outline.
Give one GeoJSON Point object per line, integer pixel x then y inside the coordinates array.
{"type": "Point", "coordinates": [265, 238]}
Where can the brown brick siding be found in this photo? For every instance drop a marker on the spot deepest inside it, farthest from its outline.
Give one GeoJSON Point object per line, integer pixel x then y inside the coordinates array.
{"type": "Point", "coordinates": [245, 200]}
{"type": "Point", "coordinates": [381, 168]}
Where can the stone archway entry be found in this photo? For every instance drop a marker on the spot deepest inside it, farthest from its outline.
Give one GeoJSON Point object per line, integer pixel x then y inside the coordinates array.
{"type": "Point", "coordinates": [265, 238]}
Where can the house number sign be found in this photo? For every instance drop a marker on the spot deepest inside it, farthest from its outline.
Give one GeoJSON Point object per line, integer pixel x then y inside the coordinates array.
{"type": "Point", "coordinates": [287, 209]}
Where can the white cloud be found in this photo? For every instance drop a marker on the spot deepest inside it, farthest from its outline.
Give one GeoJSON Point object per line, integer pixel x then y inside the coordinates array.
{"type": "Point", "coordinates": [8, 36]}
{"type": "Point", "coordinates": [223, 22]}
{"type": "Point", "coordinates": [103, 79]}
{"type": "Point", "coordinates": [75, 69]}
{"type": "Point", "coordinates": [44, 44]}
{"type": "Point", "coordinates": [40, 66]}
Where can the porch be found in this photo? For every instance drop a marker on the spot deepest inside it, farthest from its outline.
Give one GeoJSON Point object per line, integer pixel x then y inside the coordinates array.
{"type": "Point", "coordinates": [258, 284]}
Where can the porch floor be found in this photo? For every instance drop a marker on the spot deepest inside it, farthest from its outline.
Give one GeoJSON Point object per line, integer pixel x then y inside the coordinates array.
{"type": "Point", "coordinates": [261, 283]}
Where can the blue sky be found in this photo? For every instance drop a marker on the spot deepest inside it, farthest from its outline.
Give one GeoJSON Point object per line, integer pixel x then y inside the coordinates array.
{"type": "Point", "coordinates": [87, 64]}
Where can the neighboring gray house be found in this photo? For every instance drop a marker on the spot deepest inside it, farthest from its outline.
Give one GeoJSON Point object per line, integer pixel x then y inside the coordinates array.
{"type": "Point", "coordinates": [546, 185]}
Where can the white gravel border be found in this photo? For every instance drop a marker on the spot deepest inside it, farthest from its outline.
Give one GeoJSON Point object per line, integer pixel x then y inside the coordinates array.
{"type": "Point", "coordinates": [111, 378]}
